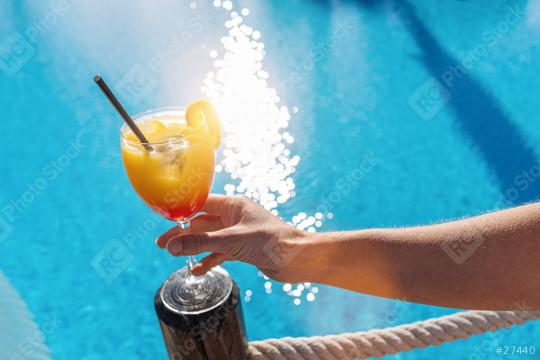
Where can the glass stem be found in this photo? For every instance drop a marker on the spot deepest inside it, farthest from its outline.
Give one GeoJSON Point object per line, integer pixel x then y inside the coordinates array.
{"type": "Point", "coordinates": [190, 260]}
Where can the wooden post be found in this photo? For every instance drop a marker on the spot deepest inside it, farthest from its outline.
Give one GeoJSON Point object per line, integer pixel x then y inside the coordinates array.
{"type": "Point", "coordinates": [217, 334]}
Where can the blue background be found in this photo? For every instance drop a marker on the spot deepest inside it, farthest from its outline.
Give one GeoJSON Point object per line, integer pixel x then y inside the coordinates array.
{"type": "Point", "coordinates": [447, 149]}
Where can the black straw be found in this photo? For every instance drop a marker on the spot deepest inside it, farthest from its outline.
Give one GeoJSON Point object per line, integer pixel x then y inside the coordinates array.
{"type": "Point", "coordinates": [114, 101]}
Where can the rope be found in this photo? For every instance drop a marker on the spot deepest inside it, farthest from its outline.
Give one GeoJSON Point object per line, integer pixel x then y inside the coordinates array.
{"type": "Point", "coordinates": [380, 342]}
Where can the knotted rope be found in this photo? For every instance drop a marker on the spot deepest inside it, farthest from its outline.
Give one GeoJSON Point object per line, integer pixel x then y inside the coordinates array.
{"type": "Point", "coordinates": [380, 342]}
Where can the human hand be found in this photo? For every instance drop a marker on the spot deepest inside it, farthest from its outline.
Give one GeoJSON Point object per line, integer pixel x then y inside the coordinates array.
{"type": "Point", "coordinates": [237, 228]}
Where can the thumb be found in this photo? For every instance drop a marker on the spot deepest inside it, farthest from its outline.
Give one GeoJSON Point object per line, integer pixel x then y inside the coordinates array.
{"type": "Point", "coordinates": [196, 243]}
{"type": "Point", "coordinates": [206, 264]}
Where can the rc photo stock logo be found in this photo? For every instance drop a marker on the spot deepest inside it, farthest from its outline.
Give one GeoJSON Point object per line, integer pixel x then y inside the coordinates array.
{"type": "Point", "coordinates": [137, 83]}
{"type": "Point", "coordinates": [15, 52]}
{"type": "Point", "coordinates": [429, 98]}
{"type": "Point", "coordinates": [461, 249]}
{"type": "Point", "coordinates": [280, 253]}
{"type": "Point", "coordinates": [112, 260]}
{"type": "Point", "coordinates": [19, 47]}
{"type": "Point", "coordinates": [143, 77]}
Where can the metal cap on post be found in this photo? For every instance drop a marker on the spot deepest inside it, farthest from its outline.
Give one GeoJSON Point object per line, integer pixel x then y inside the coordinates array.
{"type": "Point", "coordinates": [215, 333]}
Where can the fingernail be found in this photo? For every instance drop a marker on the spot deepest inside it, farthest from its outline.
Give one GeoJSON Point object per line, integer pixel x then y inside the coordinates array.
{"type": "Point", "coordinates": [197, 270]}
{"type": "Point", "coordinates": [175, 247]}
{"type": "Point", "coordinates": [159, 244]}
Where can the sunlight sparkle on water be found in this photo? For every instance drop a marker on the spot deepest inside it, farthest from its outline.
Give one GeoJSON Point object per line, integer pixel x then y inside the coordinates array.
{"type": "Point", "coordinates": [255, 151]}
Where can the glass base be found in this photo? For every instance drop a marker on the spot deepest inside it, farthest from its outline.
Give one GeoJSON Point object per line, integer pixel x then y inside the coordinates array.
{"type": "Point", "coordinates": [188, 294]}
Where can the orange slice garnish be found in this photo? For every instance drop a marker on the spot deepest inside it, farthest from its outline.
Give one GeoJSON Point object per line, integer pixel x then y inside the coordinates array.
{"type": "Point", "coordinates": [201, 111]}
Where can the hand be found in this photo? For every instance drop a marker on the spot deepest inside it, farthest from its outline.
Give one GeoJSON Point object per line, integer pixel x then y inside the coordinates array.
{"type": "Point", "coordinates": [237, 228]}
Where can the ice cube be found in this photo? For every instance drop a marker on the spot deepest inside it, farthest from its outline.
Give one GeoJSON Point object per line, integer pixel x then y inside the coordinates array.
{"type": "Point", "coordinates": [172, 160]}
{"type": "Point", "coordinates": [151, 127]}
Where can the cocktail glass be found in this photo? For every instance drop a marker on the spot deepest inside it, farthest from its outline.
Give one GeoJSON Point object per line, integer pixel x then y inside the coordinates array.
{"type": "Point", "coordinates": [173, 174]}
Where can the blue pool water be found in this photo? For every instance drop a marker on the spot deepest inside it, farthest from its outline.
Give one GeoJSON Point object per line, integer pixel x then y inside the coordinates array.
{"type": "Point", "coordinates": [442, 97]}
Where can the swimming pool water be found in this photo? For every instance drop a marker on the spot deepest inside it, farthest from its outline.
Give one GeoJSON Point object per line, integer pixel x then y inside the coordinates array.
{"type": "Point", "coordinates": [408, 113]}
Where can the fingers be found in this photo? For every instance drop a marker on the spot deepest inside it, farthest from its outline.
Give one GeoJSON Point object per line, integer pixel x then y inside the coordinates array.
{"type": "Point", "coordinates": [212, 260]}
{"type": "Point", "coordinates": [206, 223]}
{"type": "Point", "coordinates": [164, 238]}
{"type": "Point", "coordinates": [224, 205]}
{"type": "Point", "coordinates": [220, 241]}
{"type": "Point", "coordinates": [202, 223]}
{"type": "Point", "coordinates": [215, 204]}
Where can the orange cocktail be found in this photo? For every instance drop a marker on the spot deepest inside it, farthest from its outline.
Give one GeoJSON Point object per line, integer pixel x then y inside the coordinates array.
{"type": "Point", "coordinates": [175, 176]}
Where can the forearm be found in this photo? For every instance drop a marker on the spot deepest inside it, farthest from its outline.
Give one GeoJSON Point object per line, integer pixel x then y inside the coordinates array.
{"type": "Point", "coordinates": [486, 262]}
{"type": "Point", "coordinates": [491, 261]}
